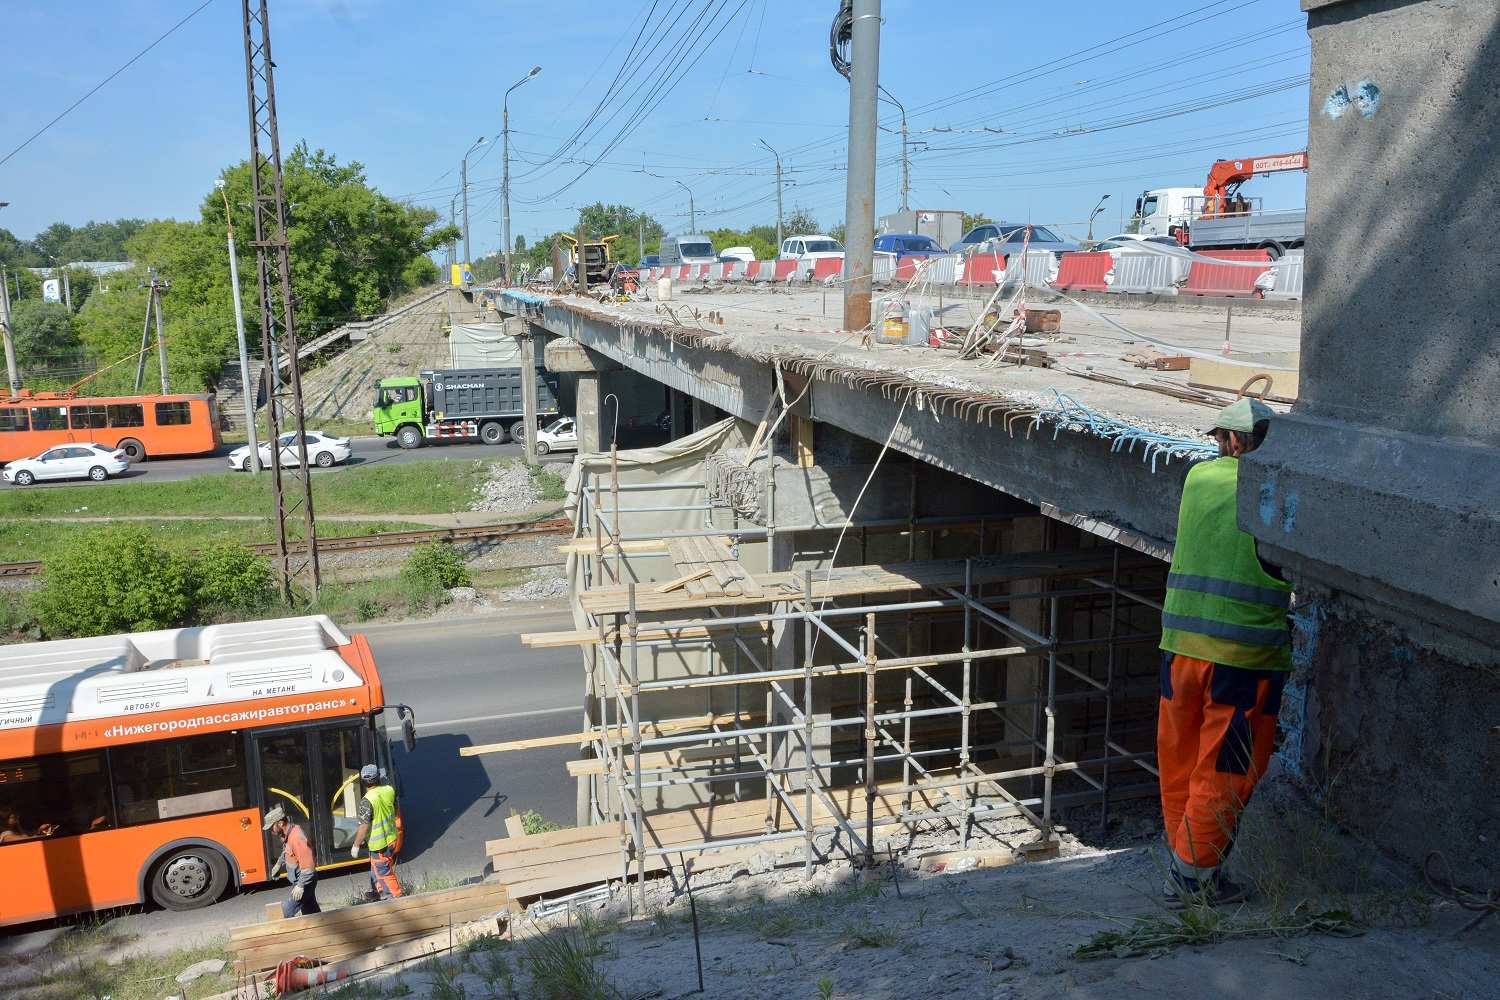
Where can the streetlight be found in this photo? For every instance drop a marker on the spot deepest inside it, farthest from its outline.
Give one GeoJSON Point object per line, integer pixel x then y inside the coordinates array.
{"type": "Point", "coordinates": [692, 212]}
{"type": "Point", "coordinates": [905, 161]}
{"type": "Point", "coordinates": [463, 183]}
{"type": "Point", "coordinates": [452, 244]}
{"type": "Point", "coordinates": [1094, 214]}
{"type": "Point", "coordinates": [505, 168]}
{"type": "Point", "coordinates": [778, 190]}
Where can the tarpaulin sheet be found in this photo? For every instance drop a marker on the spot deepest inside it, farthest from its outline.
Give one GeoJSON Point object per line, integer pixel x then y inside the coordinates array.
{"type": "Point", "coordinates": [482, 345]}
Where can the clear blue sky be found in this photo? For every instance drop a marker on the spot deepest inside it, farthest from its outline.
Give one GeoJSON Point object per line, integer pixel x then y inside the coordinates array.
{"type": "Point", "coordinates": [1084, 107]}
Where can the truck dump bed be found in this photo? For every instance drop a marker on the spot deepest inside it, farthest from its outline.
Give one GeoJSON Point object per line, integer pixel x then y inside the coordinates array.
{"type": "Point", "coordinates": [469, 393]}
{"type": "Point", "coordinates": [1251, 229]}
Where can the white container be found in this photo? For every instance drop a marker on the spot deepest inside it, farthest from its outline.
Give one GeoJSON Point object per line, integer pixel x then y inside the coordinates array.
{"type": "Point", "coordinates": [664, 289]}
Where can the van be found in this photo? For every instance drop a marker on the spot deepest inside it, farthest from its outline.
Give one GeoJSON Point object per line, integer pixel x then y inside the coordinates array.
{"type": "Point", "coordinates": [691, 249]}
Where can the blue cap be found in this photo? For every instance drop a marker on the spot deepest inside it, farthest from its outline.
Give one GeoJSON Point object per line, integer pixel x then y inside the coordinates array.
{"type": "Point", "coordinates": [369, 773]}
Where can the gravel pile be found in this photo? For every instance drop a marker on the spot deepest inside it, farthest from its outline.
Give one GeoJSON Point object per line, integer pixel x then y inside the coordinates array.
{"type": "Point", "coordinates": [544, 585]}
{"type": "Point", "coordinates": [508, 488]}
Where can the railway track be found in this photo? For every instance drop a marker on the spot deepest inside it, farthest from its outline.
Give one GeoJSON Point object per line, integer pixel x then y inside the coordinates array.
{"type": "Point", "coordinates": [382, 540]}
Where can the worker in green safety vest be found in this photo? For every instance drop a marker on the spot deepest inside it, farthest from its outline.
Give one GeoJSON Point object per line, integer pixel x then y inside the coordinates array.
{"type": "Point", "coordinates": [378, 831]}
{"type": "Point", "coordinates": [1226, 652]}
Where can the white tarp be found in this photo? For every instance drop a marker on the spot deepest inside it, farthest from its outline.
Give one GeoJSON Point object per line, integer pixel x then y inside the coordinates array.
{"type": "Point", "coordinates": [482, 345]}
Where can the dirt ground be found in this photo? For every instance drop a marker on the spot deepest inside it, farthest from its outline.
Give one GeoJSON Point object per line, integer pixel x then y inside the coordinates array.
{"type": "Point", "coordinates": [1328, 921]}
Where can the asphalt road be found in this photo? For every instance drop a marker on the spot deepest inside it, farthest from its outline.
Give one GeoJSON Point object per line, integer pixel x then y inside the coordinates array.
{"type": "Point", "coordinates": [470, 681]}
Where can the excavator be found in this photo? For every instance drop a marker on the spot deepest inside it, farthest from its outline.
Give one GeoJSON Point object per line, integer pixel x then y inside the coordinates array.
{"type": "Point", "coordinates": [1217, 215]}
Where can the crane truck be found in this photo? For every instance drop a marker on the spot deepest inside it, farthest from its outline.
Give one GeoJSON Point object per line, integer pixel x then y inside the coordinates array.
{"type": "Point", "coordinates": [1218, 216]}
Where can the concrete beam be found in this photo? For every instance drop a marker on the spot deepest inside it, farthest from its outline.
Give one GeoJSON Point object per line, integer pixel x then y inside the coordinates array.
{"type": "Point", "coordinates": [565, 356]}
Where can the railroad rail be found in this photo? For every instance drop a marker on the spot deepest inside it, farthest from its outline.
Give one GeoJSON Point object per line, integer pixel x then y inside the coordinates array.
{"type": "Point", "coordinates": [380, 540]}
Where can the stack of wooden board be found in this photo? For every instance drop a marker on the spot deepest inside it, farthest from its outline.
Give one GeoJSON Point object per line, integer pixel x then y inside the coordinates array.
{"type": "Point", "coordinates": [569, 860]}
{"type": "Point", "coordinates": [355, 930]}
{"type": "Point", "coordinates": [706, 568]}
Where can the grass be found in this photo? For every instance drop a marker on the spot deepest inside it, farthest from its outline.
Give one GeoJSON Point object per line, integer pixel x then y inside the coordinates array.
{"type": "Point", "coordinates": [549, 485]}
{"type": "Point", "coordinates": [437, 486]}
{"type": "Point", "coordinates": [1199, 924]}
{"type": "Point", "coordinates": [78, 966]}
{"type": "Point", "coordinates": [561, 965]}
{"type": "Point", "coordinates": [23, 539]}
{"type": "Point", "coordinates": [533, 822]}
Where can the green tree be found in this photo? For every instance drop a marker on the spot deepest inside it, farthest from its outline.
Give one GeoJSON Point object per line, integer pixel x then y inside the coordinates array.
{"type": "Point", "coordinates": [94, 241]}
{"type": "Point", "coordinates": [800, 221]}
{"type": "Point", "coordinates": [600, 220]}
{"type": "Point", "coordinates": [975, 219]}
{"type": "Point", "coordinates": [42, 330]}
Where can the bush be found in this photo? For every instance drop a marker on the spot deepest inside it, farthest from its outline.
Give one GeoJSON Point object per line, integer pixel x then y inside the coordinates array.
{"type": "Point", "coordinates": [119, 580]}
{"type": "Point", "coordinates": [434, 567]}
{"type": "Point", "coordinates": [232, 577]}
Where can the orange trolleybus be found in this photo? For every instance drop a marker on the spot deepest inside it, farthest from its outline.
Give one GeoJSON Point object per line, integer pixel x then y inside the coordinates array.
{"type": "Point", "coordinates": [137, 767]}
{"type": "Point", "coordinates": [140, 426]}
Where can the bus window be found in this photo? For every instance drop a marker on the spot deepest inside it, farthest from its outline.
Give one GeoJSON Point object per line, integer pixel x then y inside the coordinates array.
{"type": "Point", "coordinates": [13, 418]}
{"type": "Point", "coordinates": [49, 418]}
{"type": "Point", "coordinates": [189, 776]}
{"type": "Point", "coordinates": [342, 755]}
{"type": "Point", "coordinates": [58, 795]}
{"type": "Point", "coordinates": [173, 414]}
{"type": "Point", "coordinates": [126, 415]}
{"type": "Point", "coordinates": [88, 417]}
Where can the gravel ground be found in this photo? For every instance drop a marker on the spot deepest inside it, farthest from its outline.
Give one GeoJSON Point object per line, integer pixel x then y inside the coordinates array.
{"type": "Point", "coordinates": [509, 489]}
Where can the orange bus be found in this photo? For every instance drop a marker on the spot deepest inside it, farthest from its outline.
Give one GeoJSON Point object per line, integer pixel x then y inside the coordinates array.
{"type": "Point", "coordinates": [140, 426]}
{"type": "Point", "coordinates": [137, 767]}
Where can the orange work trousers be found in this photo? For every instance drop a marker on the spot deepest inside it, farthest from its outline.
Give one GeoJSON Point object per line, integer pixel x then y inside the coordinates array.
{"type": "Point", "coordinates": [1214, 736]}
{"type": "Point", "coordinates": [383, 874]}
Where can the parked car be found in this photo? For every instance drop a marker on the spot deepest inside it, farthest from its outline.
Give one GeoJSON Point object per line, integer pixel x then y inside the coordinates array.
{"type": "Point", "coordinates": [323, 450]}
{"type": "Point", "coordinates": [736, 253]}
{"type": "Point", "coordinates": [560, 435]}
{"type": "Point", "coordinates": [809, 248]}
{"type": "Point", "coordinates": [908, 245]}
{"type": "Point", "coordinates": [651, 260]}
{"type": "Point", "coordinates": [1009, 237]}
{"type": "Point", "coordinates": [84, 460]}
{"type": "Point", "coordinates": [693, 248]}
{"type": "Point", "coordinates": [1123, 242]}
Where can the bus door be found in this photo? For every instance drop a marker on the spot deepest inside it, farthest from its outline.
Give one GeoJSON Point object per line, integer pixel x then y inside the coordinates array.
{"type": "Point", "coordinates": [313, 773]}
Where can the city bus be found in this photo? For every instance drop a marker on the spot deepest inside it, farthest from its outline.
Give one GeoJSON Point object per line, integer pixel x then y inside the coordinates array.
{"type": "Point", "coordinates": [136, 768]}
{"type": "Point", "coordinates": [140, 426]}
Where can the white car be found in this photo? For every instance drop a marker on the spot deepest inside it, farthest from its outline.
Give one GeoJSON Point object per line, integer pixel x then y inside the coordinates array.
{"type": "Point", "coordinates": [809, 248]}
{"type": "Point", "coordinates": [1115, 244]}
{"type": "Point", "coordinates": [560, 435]}
{"type": "Point", "coordinates": [736, 253]}
{"type": "Point", "coordinates": [323, 450]}
{"type": "Point", "coordinates": [84, 460]}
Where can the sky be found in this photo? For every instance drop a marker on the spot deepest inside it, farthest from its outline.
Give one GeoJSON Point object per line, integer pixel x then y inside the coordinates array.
{"type": "Point", "coordinates": [1024, 112]}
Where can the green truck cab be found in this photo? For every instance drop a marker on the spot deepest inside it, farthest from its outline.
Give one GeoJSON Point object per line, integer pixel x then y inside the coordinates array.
{"type": "Point", "coordinates": [483, 403]}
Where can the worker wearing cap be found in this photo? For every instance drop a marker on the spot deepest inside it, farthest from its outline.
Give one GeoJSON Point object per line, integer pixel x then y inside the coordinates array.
{"type": "Point", "coordinates": [377, 829]}
{"type": "Point", "coordinates": [297, 859]}
{"type": "Point", "coordinates": [1226, 652]}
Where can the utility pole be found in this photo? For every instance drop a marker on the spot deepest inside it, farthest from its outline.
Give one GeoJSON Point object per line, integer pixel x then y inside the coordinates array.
{"type": "Point", "coordinates": [67, 286]}
{"type": "Point", "coordinates": [640, 240]}
{"type": "Point", "coordinates": [452, 221]}
{"type": "Point", "coordinates": [463, 182]}
{"type": "Point", "coordinates": [505, 169]}
{"type": "Point", "coordinates": [246, 395]}
{"type": "Point", "coordinates": [859, 201]}
{"type": "Point", "coordinates": [10, 346]}
{"type": "Point", "coordinates": [692, 212]}
{"type": "Point", "coordinates": [153, 308]}
{"type": "Point", "coordinates": [905, 159]}
{"type": "Point", "coordinates": [778, 191]}
{"type": "Point", "coordinates": [274, 274]}
{"type": "Point", "coordinates": [157, 287]}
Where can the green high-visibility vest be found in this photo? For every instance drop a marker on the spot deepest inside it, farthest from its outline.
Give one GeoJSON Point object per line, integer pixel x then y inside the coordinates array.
{"type": "Point", "coordinates": [1222, 606]}
{"type": "Point", "coordinates": [382, 799]}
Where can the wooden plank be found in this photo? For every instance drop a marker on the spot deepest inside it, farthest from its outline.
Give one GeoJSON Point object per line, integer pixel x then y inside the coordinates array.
{"type": "Point", "coordinates": [655, 633]}
{"type": "Point", "coordinates": [663, 758]}
{"type": "Point", "coordinates": [1281, 366]}
{"type": "Point", "coordinates": [513, 826]}
{"type": "Point", "coordinates": [803, 432]}
{"type": "Point", "coordinates": [273, 911]}
{"type": "Point", "coordinates": [563, 739]}
{"type": "Point", "coordinates": [368, 912]}
{"type": "Point", "coordinates": [265, 955]}
{"type": "Point", "coordinates": [681, 581]}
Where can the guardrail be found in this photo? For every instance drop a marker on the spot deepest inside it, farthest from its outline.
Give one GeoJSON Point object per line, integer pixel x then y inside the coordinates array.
{"type": "Point", "coordinates": [381, 540]}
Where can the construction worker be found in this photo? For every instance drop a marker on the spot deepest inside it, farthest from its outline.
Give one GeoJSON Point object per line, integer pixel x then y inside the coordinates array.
{"type": "Point", "coordinates": [377, 828]}
{"type": "Point", "coordinates": [297, 859]}
{"type": "Point", "coordinates": [1226, 652]}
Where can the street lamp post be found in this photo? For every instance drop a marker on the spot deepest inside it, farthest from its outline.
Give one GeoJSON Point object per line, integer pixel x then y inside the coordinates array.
{"type": "Point", "coordinates": [692, 212]}
{"type": "Point", "coordinates": [1095, 214]}
{"type": "Point", "coordinates": [505, 168]}
{"type": "Point", "coordinates": [778, 190]}
{"type": "Point", "coordinates": [463, 183]}
{"type": "Point", "coordinates": [452, 243]}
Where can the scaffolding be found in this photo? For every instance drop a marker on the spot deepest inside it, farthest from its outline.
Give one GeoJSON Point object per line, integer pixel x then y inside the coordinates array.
{"type": "Point", "coordinates": [1043, 638]}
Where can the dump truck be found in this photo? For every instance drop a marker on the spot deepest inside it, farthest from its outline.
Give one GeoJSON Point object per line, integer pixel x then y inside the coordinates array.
{"type": "Point", "coordinates": [483, 403]}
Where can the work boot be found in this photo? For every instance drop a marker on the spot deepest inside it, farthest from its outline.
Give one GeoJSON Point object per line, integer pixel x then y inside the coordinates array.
{"type": "Point", "coordinates": [1180, 891]}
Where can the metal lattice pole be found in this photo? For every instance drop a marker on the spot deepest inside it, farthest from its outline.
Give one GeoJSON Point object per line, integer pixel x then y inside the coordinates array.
{"type": "Point", "coordinates": [292, 487]}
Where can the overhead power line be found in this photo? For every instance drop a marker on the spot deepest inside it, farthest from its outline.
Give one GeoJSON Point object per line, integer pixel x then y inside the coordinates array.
{"type": "Point", "coordinates": [100, 85]}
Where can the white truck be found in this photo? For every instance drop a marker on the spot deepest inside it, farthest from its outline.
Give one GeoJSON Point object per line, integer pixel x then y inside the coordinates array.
{"type": "Point", "coordinates": [1217, 216]}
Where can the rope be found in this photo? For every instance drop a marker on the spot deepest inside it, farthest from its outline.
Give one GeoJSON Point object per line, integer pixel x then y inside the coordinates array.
{"type": "Point", "coordinates": [1484, 904]}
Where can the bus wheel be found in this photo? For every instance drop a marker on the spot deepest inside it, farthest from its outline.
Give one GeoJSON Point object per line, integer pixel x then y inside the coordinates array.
{"type": "Point", "coordinates": [133, 449]}
{"type": "Point", "coordinates": [492, 433]}
{"type": "Point", "coordinates": [409, 437]}
{"type": "Point", "coordinates": [189, 878]}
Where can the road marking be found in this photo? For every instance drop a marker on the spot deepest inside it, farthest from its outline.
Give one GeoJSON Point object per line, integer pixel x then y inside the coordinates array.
{"type": "Point", "coordinates": [491, 718]}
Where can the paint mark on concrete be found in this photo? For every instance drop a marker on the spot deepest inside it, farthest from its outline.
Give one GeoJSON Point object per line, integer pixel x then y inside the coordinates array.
{"type": "Point", "coordinates": [1338, 102]}
{"type": "Point", "coordinates": [1267, 508]}
{"type": "Point", "coordinates": [1289, 513]}
{"type": "Point", "coordinates": [1367, 98]}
